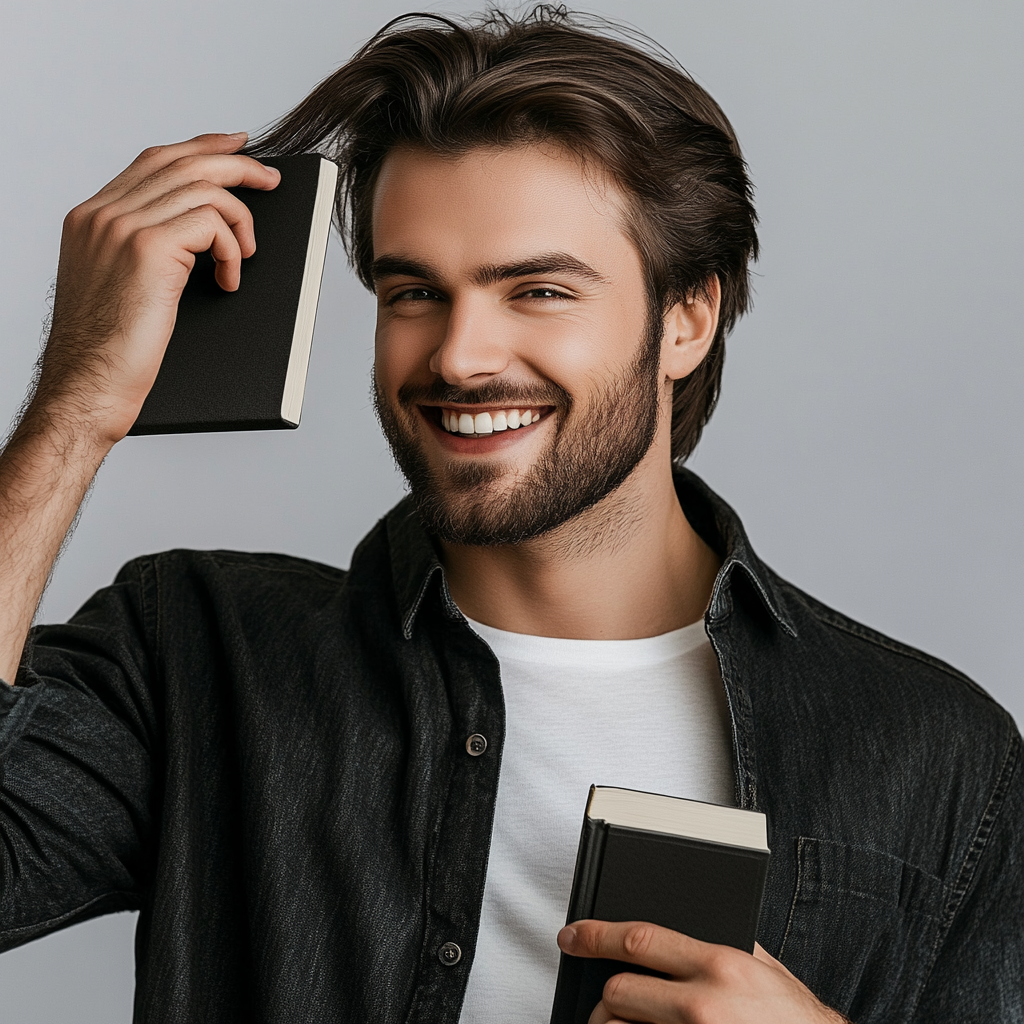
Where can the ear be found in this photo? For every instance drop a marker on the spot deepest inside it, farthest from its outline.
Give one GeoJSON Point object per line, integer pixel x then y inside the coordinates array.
{"type": "Point", "coordinates": [689, 330]}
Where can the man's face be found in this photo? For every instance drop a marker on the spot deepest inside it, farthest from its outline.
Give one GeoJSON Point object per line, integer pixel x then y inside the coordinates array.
{"type": "Point", "coordinates": [517, 365]}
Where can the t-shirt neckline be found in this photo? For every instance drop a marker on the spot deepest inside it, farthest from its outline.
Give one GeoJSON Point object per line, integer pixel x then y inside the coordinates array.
{"type": "Point", "coordinates": [600, 654]}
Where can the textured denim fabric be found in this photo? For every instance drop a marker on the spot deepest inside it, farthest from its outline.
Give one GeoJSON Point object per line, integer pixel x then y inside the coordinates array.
{"type": "Point", "coordinates": [267, 758]}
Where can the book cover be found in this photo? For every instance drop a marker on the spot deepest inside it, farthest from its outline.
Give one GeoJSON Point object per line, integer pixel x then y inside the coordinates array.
{"type": "Point", "coordinates": [237, 360]}
{"type": "Point", "coordinates": [693, 867]}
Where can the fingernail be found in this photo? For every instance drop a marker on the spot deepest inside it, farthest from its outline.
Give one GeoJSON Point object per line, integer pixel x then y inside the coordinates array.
{"type": "Point", "coordinates": [567, 938]}
{"type": "Point", "coordinates": [239, 135]}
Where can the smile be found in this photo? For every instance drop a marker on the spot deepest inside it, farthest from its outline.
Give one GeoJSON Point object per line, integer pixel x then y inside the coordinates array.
{"type": "Point", "coordinates": [493, 421]}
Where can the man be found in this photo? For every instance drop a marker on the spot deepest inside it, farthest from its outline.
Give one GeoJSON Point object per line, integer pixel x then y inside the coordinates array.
{"type": "Point", "coordinates": [355, 796]}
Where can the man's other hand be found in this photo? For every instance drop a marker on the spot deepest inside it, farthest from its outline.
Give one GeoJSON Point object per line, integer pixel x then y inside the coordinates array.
{"type": "Point", "coordinates": [706, 983]}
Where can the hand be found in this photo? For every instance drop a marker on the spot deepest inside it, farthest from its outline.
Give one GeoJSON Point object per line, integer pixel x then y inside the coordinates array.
{"type": "Point", "coordinates": [707, 983]}
{"type": "Point", "coordinates": [125, 257]}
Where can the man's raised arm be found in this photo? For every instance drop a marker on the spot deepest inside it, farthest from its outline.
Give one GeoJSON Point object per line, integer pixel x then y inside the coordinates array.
{"type": "Point", "coordinates": [124, 259]}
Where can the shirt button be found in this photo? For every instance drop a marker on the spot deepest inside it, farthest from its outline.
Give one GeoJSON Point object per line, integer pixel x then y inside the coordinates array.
{"type": "Point", "coordinates": [476, 744]}
{"type": "Point", "coordinates": [449, 954]}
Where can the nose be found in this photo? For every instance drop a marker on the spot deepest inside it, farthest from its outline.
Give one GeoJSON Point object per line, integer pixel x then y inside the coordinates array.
{"type": "Point", "coordinates": [472, 349]}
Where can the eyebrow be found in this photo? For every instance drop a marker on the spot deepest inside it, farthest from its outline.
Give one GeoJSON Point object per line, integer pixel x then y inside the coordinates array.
{"type": "Point", "coordinates": [388, 265]}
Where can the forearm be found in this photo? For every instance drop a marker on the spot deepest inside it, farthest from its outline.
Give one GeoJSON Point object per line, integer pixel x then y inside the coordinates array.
{"type": "Point", "coordinates": [45, 471]}
{"type": "Point", "coordinates": [125, 256]}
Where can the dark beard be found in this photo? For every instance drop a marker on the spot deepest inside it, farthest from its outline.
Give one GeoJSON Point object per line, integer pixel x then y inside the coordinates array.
{"type": "Point", "coordinates": [585, 462]}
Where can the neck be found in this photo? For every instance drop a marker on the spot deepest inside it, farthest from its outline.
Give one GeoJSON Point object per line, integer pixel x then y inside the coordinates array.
{"type": "Point", "coordinates": [630, 567]}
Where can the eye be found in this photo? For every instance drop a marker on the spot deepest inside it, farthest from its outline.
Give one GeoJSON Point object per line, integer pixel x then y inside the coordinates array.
{"type": "Point", "coordinates": [544, 293]}
{"type": "Point", "coordinates": [416, 293]}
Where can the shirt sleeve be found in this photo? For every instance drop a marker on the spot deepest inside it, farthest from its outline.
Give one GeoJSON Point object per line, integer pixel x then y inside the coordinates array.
{"type": "Point", "coordinates": [77, 748]}
{"type": "Point", "coordinates": [978, 976]}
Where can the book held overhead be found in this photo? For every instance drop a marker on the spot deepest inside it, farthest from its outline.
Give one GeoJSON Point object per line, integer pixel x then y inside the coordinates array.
{"type": "Point", "coordinates": [237, 360]}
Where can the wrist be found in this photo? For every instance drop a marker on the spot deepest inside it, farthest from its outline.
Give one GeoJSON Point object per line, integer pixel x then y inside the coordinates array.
{"type": "Point", "coordinates": [58, 428]}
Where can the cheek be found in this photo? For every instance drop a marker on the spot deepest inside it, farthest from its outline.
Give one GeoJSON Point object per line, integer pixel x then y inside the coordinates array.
{"type": "Point", "coordinates": [400, 355]}
{"type": "Point", "coordinates": [588, 353]}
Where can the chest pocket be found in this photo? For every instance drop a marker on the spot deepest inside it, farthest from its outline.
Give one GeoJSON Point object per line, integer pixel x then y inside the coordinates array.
{"type": "Point", "coordinates": [862, 929]}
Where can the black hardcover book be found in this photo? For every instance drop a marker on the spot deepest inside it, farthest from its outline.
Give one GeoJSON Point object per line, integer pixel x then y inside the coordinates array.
{"type": "Point", "coordinates": [694, 867]}
{"type": "Point", "coordinates": [237, 360]}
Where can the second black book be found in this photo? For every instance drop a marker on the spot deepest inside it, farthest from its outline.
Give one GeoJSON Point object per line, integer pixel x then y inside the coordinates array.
{"type": "Point", "coordinates": [694, 867]}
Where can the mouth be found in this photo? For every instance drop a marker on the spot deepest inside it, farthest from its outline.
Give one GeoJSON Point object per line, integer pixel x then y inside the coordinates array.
{"type": "Point", "coordinates": [478, 423]}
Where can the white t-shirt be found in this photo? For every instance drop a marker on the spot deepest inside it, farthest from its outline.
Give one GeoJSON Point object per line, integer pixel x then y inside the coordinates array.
{"type": "Point", "coordinates": [642, 714]}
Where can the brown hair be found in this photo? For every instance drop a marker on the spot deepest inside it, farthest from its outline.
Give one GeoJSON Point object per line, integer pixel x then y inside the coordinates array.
{"type": "Point", "coordinates": [605, 94]}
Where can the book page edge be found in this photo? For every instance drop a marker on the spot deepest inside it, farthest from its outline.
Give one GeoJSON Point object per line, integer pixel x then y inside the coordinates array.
{"type": "Point", "coordinates": [309, 295]}
{"type": "Point", "coordinates": [752, 824]}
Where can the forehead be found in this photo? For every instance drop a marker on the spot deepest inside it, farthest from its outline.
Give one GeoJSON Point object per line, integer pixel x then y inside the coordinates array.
{"type": "Point", "coordinates": [495, 204]}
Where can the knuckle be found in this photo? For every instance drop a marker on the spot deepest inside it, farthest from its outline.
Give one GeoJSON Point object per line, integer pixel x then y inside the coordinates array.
{"type": "Point", "coordinates": [638, 939]}
{"type": "Point", "coordinates": [103, 218]}
{"type": "Point", "coordinates": [196, 193]}
{"type": "Point", "coordinates": [724, 966]}
{"type": "Point", "coordinates": [210, 215]}
{"type": "Point", "coordinates": [75, 218]}
{"type": "Point", "coordinates": [186, 164]}
{"type": "Point", "coordinates": [150, 153]}
{"type": "Point", "coordinates": [118, 230]}
{"type": "Point", "coordinates": [614, 987]}
{"type": "Point", "coordinates": [140, 242]}
{"type": "Point", "coordinates": [702, 1010]}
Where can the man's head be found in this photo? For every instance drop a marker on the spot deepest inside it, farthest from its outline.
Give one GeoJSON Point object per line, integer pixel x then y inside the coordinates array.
{"type": "Point", "coordinates": [538, 208]}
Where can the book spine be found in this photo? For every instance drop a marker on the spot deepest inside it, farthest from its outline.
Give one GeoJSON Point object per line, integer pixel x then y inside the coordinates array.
{"type": "Point", "coordinates": [588, 869]}
{"type": "Point", "coordinates": [581, 905]}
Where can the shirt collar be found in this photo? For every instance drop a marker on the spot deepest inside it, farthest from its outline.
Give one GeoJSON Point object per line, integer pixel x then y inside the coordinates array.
{"type": "Point", "coordinates": [414, 560]}
{"type": "Point", "coordinates": [721, 529]}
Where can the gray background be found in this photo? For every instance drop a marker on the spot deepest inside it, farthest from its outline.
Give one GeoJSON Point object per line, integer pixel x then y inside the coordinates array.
{"type": "Point", "coordinates": [870, 429]}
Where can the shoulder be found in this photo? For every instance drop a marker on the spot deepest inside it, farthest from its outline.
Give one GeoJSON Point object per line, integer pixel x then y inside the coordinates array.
{"type": "Point", "coordinates": [868, 741]}
{"type": "Point", "coordinates": [854, 655]}
{"type": "Point", "coordinates": [195, 585]}
{"type": "Point", "coordinates": [256, 566]}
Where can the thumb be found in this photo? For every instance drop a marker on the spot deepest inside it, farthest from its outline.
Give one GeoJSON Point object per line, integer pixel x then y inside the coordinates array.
{"type": "Point", "coordinates": [760, 953]}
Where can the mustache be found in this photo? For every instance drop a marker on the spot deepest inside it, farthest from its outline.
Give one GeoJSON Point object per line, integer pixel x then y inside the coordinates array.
{"type": "Point", "coordinates": [494, 392]}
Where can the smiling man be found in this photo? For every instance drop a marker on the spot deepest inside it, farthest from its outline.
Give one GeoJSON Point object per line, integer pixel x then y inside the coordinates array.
{"type": "Point", "coordinates": [355, 796]}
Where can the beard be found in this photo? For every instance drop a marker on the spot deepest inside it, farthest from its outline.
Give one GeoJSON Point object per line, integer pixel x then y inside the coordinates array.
{"type": "Point", "coordinates": [593, 450]}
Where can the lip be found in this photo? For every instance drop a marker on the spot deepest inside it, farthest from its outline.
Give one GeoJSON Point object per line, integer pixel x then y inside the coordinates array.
{"type": "Point", "coordinates": [460, 443]}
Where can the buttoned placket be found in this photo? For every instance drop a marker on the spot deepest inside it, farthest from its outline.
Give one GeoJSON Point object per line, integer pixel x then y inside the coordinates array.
{"type": "Point", "coordinates": [455, 883]}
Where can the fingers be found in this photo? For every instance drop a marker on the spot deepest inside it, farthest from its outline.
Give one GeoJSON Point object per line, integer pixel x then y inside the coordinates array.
{"type": "Point", "coordinates": [224, 170]}
{"type": "Point", "coordinates": [157, 158]}
{"type": "Point", "coordinates": [195, 231]}
{"type": "Point", "coordinates": [167, 182]}
{"type": "Point", "coordinates": [602, 1015]}
{"type": "Point", "coordinates": [637, 942]}
{"type": "Point", "coordinates": [115, 220]}
{"type": "Point", "coordinates": [639, 997]}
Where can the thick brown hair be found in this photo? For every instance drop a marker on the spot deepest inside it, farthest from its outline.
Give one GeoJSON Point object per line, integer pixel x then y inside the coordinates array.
{"type": "Point", "coordinates": [605, 94]}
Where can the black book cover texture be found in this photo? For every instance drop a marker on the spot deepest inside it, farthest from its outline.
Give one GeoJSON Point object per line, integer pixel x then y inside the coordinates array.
{"type": "Point", "coordinates": [709, 891]}
{"type": "Point", "coordinates": [227, 360]}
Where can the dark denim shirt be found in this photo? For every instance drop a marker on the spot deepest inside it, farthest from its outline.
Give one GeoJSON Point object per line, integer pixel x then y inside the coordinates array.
{"type": "Point", "coordinates": [267, 757]}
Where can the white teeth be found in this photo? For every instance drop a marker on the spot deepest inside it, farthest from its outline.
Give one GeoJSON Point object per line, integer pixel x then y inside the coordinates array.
{"type": "Point", "coordinates": [487, 422]}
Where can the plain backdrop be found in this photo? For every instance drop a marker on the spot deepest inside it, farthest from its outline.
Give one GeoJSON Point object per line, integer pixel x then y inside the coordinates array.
{"type": "Point", "coordinates": [869, 431]}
